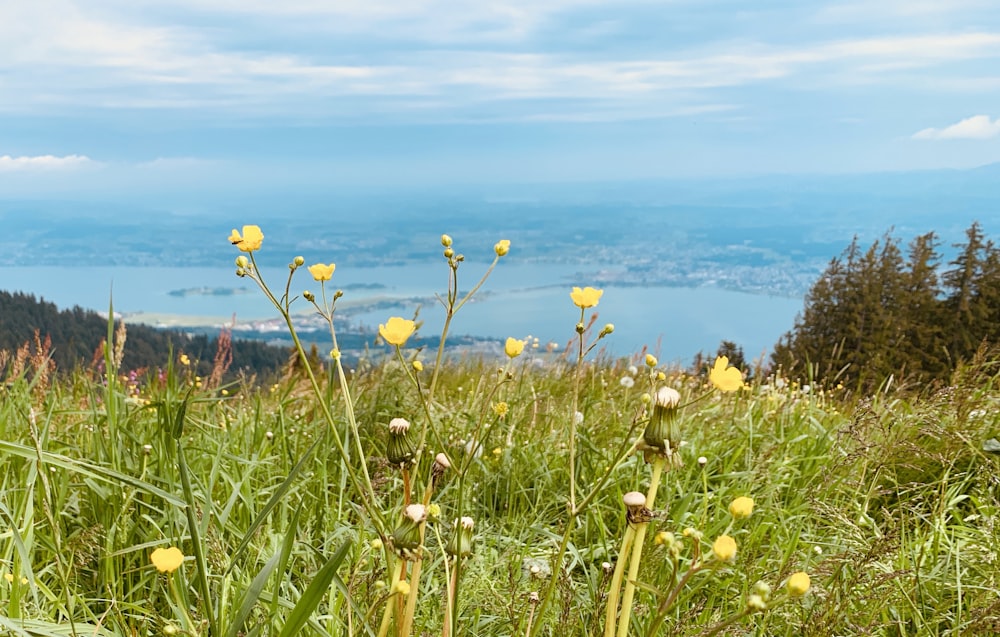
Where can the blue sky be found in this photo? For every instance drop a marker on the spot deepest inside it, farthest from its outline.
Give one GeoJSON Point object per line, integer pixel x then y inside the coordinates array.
{"type": "Point", "coordinates": [209, 95]}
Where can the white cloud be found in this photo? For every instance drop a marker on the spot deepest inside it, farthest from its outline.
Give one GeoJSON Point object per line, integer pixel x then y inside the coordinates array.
{"type": "Point", "coordinates": [975, 127]}
{"type": "Point", "coordinates": [43, 162]}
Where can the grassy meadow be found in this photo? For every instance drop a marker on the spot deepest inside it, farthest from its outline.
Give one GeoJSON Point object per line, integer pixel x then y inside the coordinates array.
{"type": "Point", "coordinates": [542, 493]}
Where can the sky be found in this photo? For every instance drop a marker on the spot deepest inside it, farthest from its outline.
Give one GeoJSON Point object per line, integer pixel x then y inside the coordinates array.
{"type": "Point", "coordinates": [152, 96]}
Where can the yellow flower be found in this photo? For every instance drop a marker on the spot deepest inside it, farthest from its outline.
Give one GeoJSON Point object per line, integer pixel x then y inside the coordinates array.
{"type": "Point", "coordinates": [167, 560]}
{"type": "Point", "coordinates": [724, 548]}
{"type": "Point", "coordinates": [502, 247]}
{"type": "Point", "coordinates": [500, 409]}
{"type": "Point", "coordinates": [10, 578]}
{"type": "Point", "coordinates": [513, 347]}
{"type": "Point", "coordinates": [798, 584]}
{"type": "Point", "coordinates": [651, 361]}
{"type": "Point", "coordinates": [741, 507]}
{"type": "Point", "coordinates": [724, 377]}
{"type": "Point", "coordinates": [184, 360]}
{"type": "Point", "coordinates": [321, 271]}
{"type": "Point", "coordinates": [397, 330]}
{"type": "Point", "coordinates": [418, 366]}
{"type": "Point", "coordinates": [250, 241]}
{"type": "Point", "coordinates": [587, 297]}
{"type": "Point", "coordinates": [402, 587]}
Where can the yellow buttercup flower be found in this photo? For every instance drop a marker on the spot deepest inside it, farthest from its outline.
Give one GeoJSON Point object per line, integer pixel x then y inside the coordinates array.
{"type": "Point", "coordinates": [513, 347]}
{"type": "Point", "coordinates": [321, 271]}
{"type": "Point", "coordinates": [184, 360]}
{"type": "Point", "coordinates": [724, 548]}
{"type": "Point", "coordinates": [587, 297]}
{"type": "Point", "coordinates": [724, 377]}
{"type": "Point", "coordinates": [798, 584]}
{"type": "Point", "coordinates": [249, 241]}
{"type": "Point", "coordinates": [502, 247]}
{"type": "Point", "coordinates": [397, 330]}
{"type": "Point", "coordinates": [741, 507]}
{"type": "Point", "coordinates": [167, 560]}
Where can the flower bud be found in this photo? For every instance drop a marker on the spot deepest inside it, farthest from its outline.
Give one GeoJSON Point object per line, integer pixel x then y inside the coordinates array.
{"type": "Point", "coordinates": [445, 241]}
{"type": "Point", "coordinates": [309, 296]}
{"type": "Point", "coordinates": [399, 449]}
{"type": "Point", "coordinates": [607, 329]}
{"type": "Point", "coordinates": [448, 253]}
{"type": "Point", "coordinates": [661, 432]}
{"type": "Point", "coordinates": [242, 262]}
{"type": "Point", "coordinates": [651, 361]}
{"type": "Point", "coordinates": [756, 603]}
{"type": "Point", "coordinates": [502, 247]}
{"type": "Point", "coordinates": [299, 261]}
{"type": "Point", "coordinates": [763, 589]}
{"type": "Point", "coordinates": [460, 544]}
{"type": "Point", "coordinates": [441, 465]}
{"type": "Point", "coordinates": [406, 537]}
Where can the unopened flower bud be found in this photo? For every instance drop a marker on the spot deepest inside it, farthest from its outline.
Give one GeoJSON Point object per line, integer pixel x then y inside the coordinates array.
{"type": "Point", "coordinates": [763, 589]}
{"type": "Point", "coordinates": [445, 241]}
{"type": "Point", "coordinates": [418, 366]}
{"type": "Point", "coordinates": [448, 253]}
{"type": "Point", "coordinates": [399, 449]}
{"type": "Point", "coordinates": [460, 544]}
{"type": "Point", "coordinates": [299, 261]}
{"type": "Point", "coordinates": [607, 329]}
{"type": "Point", "coordinates": [661, 432]}
{"type": "Point", "coordinates": [756, 603]}
{"type": "Point", "coordinates": [406, 537]}
{"type": "Point", "coordinates": [441, 465]}
{"type": "Point", "coordinates": [309, 296]}
{"type": "Point", "coordinates": [580, 328]}
{"type": "Point", "coordinates": [651, 361]}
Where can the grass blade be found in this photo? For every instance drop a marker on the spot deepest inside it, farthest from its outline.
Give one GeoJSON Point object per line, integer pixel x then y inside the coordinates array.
{"type": "Point", "coordinates": [314, 593]}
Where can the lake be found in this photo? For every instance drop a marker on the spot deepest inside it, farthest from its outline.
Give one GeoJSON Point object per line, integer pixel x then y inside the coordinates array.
{"type": "Point", "coordinates": [519, 299]}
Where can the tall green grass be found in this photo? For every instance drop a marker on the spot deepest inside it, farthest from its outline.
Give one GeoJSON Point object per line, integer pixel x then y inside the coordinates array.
{"type": "Point", "coordinates": [889, 502]}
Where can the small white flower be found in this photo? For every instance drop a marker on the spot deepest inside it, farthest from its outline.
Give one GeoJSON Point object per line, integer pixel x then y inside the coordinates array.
{"type": "Point", "coordinates": [627, 382]}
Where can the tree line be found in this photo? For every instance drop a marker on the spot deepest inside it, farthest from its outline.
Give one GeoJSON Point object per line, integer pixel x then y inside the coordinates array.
{"type": "Point", "coordinates": [76, 335]}
{"type": "Point", "coordinates": [888, 311]}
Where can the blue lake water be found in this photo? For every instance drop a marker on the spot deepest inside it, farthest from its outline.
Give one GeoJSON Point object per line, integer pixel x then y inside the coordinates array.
{"type": "Point", "coordinates": [519, 299]}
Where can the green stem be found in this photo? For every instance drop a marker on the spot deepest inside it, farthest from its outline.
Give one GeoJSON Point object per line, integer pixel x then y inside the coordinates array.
{"type": "Point", "coordinates": [664, 607]}
{"type": "Point", "coordinates": [367, 492]}
{"type": "Point", "coordinates": [383, 629]}
{"type": "Point", "coordinates": [640, 536]}
{"type": "Point", "coordinates": [616, 582]}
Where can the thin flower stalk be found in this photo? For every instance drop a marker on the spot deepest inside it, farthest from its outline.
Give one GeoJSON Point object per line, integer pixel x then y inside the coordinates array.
{"type": "Point", "coordinates": [636, 560]}
{"type": "Point", "coordinates": [364, 488]}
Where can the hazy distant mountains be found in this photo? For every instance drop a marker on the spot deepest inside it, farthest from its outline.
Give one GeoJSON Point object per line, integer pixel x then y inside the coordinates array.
{"type": "Point", "coordinates": [771, 234]}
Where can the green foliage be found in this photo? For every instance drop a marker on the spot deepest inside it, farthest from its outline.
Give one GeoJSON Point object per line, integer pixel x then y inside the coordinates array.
{"type": "Point", "coordinates": [76, 335]}
{"type": "Point", "coordinates": [889, 505]}
{"type": "Point", "coordinates": [875, 315]}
